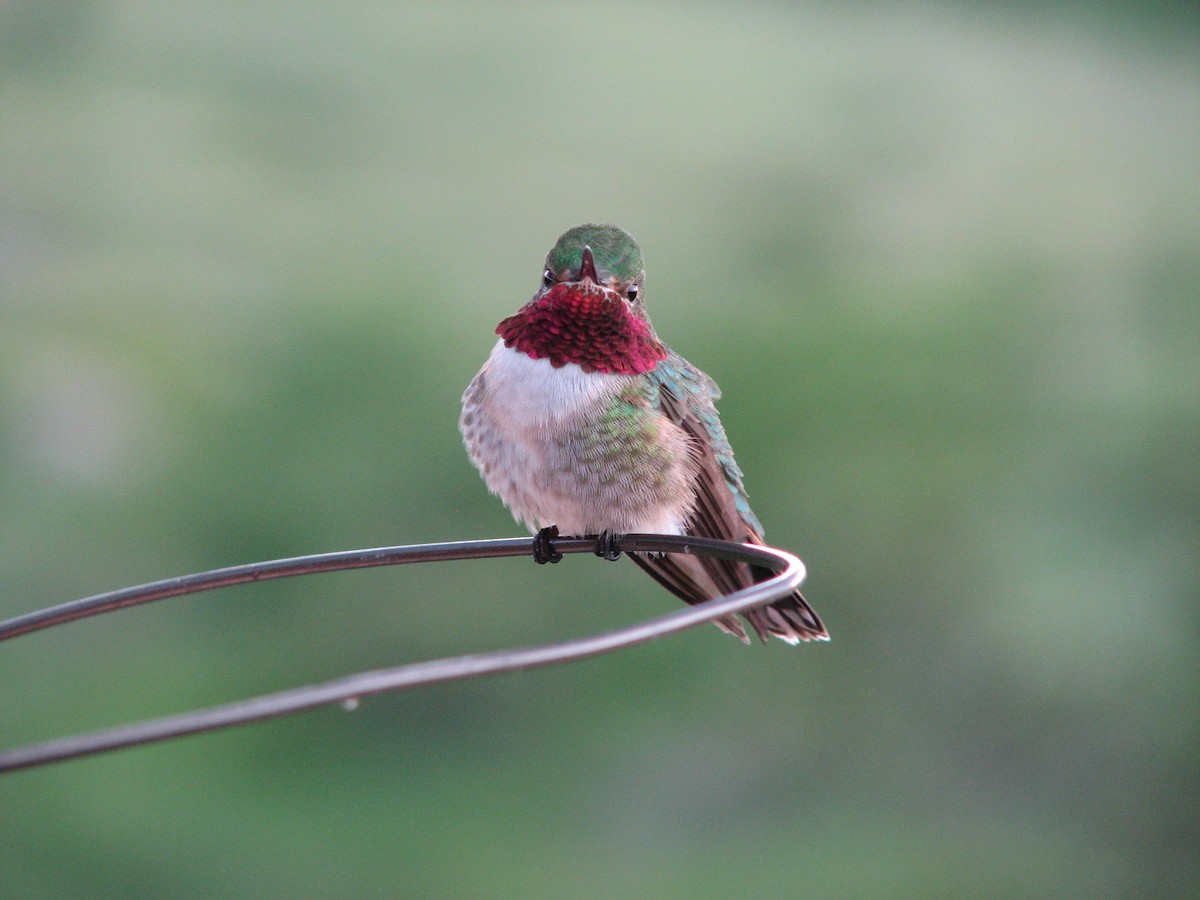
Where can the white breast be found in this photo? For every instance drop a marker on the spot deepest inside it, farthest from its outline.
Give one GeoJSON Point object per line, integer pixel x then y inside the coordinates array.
{"type": "Point", "coordinates": [532, 395]}
{"type": "Point", "coordinates": [518, 418]}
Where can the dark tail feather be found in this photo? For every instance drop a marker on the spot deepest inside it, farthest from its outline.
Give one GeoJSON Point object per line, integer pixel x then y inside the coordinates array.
{"type": "Point", "coordinates": [695, 580]}
{"type": "Point", "coordinates": [790, 619]}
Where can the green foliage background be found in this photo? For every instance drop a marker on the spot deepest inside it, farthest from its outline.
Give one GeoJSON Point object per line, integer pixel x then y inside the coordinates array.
{"type": "Point", "coordinates": [941, 257]}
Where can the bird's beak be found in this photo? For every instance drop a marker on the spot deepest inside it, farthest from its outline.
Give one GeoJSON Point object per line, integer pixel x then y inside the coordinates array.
{"type": "Point", "coordinates": [587, 268]}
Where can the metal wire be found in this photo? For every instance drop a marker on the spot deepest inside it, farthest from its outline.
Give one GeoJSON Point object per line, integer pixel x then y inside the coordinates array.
{"type": "Point", "coordinates": [790, 573]}
{"type": "Point", "coordinates": [261, 571]}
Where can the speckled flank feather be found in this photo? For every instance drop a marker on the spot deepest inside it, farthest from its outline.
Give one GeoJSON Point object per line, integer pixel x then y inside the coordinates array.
{"type": "Point", "coordinates": [583, 419]}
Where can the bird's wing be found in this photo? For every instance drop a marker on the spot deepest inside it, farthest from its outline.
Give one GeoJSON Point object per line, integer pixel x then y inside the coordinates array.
{"type": "Point", "coordinates": [687, 396]}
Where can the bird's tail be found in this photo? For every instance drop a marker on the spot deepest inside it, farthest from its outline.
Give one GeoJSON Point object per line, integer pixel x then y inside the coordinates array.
{"type": "Point", "coordinates": [790, 619]}
{"type": "Point", "coordinates": [696, 579]}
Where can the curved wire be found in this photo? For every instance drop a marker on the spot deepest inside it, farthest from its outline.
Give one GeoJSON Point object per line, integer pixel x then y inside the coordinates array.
{"type": "Point", "coordinates": [790, 573]}
{"type": "Point", "coordinates": [260, 571]}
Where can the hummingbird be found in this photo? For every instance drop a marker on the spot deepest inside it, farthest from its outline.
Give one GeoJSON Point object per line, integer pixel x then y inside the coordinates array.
{"type": "Point", "coordinates": [584, 422]}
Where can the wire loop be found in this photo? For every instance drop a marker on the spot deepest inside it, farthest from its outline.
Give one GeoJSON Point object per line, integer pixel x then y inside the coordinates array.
{"type": "Point", "coordinates": [348, 690]}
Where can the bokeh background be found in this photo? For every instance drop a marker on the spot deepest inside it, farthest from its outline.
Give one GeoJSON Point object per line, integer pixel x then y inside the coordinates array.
{"type": "Point", "coordinates": [943, 260]}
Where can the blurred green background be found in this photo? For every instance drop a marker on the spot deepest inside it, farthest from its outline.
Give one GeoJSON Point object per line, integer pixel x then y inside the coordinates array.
{"type": "Point", "coordinates": [941, 257]}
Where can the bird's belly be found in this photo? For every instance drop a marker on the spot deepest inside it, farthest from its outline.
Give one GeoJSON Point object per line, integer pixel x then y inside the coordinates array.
{"type": "Point", "coordinates": [582, 451]}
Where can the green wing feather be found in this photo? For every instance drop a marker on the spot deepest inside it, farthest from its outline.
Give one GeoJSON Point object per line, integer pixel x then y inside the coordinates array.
{"type": "Point", "coordinates": [687, 396]}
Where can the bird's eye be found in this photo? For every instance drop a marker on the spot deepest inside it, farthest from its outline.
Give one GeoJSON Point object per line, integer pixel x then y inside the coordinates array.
{"type": "Point", "coordinates": [547, 278]}
{"type": "Point", "coordinates": [632, 293]}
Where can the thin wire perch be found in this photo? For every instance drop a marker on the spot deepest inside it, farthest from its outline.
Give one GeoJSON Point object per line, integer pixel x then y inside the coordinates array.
{"type": "Point", "coordinates": [348, 690]}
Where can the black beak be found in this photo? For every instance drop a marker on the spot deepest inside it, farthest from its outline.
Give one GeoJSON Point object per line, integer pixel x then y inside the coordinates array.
{"type": "Point", "coordinates": [587, 268]}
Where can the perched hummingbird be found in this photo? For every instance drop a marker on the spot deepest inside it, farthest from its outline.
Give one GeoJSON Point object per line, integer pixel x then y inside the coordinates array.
{"type": "Point", "coordinates": [583, 419]}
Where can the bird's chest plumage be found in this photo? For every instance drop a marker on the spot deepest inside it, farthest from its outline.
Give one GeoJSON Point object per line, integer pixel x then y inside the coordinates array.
{"type": "Point", "coordinates": [585, 451]}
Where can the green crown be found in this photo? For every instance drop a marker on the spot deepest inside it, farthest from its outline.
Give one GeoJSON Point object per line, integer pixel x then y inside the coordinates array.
{"type": "Point", "coordinates": [613, 249]}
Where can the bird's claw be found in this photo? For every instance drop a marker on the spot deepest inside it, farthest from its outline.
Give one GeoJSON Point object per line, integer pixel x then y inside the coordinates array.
{"type": "Point", "coordinates": [543, 550]}
{"type": "Point", "coordinates": [606, 545]}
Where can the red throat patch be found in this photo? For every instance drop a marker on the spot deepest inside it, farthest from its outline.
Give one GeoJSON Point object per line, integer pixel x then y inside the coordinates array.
{"type": "Point", "coordinates": [587, 325]}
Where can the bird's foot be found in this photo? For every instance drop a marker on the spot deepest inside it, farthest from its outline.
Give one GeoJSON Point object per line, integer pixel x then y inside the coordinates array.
{"type": "Point", "coordinates": [606, 545]}
{"type": "Point", "coordinates": [543, 550]}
